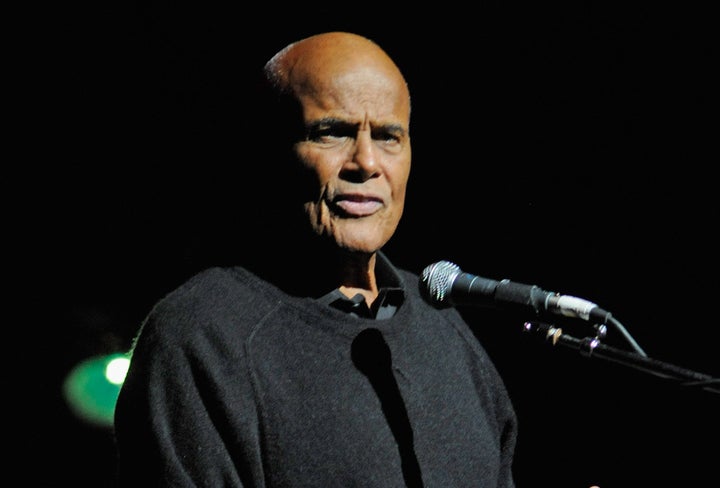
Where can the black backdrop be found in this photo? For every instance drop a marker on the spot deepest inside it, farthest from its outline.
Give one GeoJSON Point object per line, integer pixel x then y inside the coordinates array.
{"type": "Point", "coordinates": [570, 146]}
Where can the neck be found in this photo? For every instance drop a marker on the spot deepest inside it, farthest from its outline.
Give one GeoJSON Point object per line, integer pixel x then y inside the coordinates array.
{"type": "Point", "coordinates": [313, 267]}
{"type": "Point", "coordinates": [357, 275]}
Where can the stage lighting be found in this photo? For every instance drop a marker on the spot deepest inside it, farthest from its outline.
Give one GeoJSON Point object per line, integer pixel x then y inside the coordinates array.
{"type": "Point", "coordinates": [92, 387]}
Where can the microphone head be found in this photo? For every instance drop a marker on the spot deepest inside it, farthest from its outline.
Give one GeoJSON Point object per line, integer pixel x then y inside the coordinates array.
{"type": "Point", "coordinates": [437, 280]}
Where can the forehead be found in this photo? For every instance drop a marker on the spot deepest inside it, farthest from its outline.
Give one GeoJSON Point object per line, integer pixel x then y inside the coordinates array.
{"type": "Point", "coordinates": [362, 92]}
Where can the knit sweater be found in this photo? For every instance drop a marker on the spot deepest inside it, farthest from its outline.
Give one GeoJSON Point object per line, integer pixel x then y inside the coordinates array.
{"type": "Point", "coordinates": [234, 383]}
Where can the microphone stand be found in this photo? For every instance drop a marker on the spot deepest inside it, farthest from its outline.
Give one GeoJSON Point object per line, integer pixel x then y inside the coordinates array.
{"type": "Point", "coordinates": [592, 347]}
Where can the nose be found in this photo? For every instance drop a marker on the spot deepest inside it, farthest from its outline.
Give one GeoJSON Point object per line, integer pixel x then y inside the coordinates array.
{"type": "Point", "coordinates": [365, 157]}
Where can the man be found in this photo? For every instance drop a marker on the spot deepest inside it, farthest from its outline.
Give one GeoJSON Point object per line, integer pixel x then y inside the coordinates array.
{"type": "Point", "coordinates": [318, 364]}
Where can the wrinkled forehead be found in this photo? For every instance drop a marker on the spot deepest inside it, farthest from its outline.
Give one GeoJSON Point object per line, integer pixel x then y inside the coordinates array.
{"type": "Point", "coordinates": [356, 89]}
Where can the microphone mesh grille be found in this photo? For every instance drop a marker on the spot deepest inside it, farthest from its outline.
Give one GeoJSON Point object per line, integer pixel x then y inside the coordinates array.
{"type": "Point", "coordinates": [438, 279]}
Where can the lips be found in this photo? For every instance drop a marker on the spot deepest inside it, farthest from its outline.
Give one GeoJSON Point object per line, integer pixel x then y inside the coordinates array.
{"type": "Point", "coordinates": [355, 205]}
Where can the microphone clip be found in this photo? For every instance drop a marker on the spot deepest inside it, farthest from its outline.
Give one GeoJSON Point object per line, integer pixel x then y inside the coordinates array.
{"type": "Point", "coordinates": [555, 336]}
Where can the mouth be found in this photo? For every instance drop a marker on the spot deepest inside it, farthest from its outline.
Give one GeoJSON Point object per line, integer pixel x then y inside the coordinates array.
{"type": "Point", "coordinates": [355, 205]}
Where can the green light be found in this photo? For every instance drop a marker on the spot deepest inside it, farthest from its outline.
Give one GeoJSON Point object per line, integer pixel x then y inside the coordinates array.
{"type": "Point", "coordinates": [92, 387]}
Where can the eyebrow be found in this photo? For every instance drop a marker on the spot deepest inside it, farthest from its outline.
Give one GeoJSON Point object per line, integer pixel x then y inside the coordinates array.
{"type": "Point", "coordinates": [330, 122]}
{"type": "Point", "coordinates": [336, 123]}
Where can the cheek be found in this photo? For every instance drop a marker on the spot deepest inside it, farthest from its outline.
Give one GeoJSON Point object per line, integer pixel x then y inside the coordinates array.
{"type": "Point", "coordinates": [316, 174]}
{"type": "Point", "coordinates": [399, 187]}
{"type": "Point", "coordinates": [319, 217]}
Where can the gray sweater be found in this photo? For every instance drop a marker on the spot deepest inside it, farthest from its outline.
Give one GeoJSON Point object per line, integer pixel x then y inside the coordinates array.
{"type": "Point", "coordinates": [234, 383]}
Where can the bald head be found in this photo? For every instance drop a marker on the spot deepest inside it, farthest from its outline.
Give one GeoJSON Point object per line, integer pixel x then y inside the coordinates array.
{"type": "Point", "coordinates": [316, 62]}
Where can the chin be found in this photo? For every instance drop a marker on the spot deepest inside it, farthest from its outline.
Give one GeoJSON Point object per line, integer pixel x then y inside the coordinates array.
{"type": "Point", "coordinates": [358, 235]}
{"type": "Point", "coordinates": [361, 244]}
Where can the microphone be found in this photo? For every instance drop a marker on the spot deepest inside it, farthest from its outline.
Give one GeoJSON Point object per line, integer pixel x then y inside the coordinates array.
{"type": "Point", "coordinates": [444, 284]}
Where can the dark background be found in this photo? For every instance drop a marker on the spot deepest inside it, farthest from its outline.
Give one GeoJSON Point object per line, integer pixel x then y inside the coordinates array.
{"type": "Point", "coordinates": [571, 146]}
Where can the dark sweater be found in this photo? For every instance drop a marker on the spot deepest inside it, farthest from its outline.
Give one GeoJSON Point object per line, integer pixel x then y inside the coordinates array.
{"type": "Point", "coordinates": [235, 383]}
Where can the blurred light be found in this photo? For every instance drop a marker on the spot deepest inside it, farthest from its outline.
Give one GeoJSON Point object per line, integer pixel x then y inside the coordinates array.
{"type": "Point", "coordinates": [116, 369]}
{"type": "Point", "coordinates": [92, 387]}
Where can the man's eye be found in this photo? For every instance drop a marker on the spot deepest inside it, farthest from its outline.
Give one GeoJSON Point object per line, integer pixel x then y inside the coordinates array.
{"type": "Point", "coordinates": [320, 134]}
{"type": "Point", "coordinates": [328, 134]}
{"type": "Point", "coordinates": [387, 137]}
{"type": "Point", "coordinates": [391, 139]}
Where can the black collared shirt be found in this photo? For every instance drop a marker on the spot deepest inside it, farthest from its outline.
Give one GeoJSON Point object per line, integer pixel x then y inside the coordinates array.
{"type": "Point", "coordinates": [387, 302]}
{"type": "Point", "coordinates": [391, 294]}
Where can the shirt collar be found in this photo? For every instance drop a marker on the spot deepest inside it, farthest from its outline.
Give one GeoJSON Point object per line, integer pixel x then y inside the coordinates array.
{"type": "Point", "coordinates": [390, 295]}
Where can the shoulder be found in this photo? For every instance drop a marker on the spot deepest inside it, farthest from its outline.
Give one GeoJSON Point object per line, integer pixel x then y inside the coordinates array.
{"type": "Point", "coordinates": [216, 301]}
{"type": "Point", "coordinates": [207, 290]}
